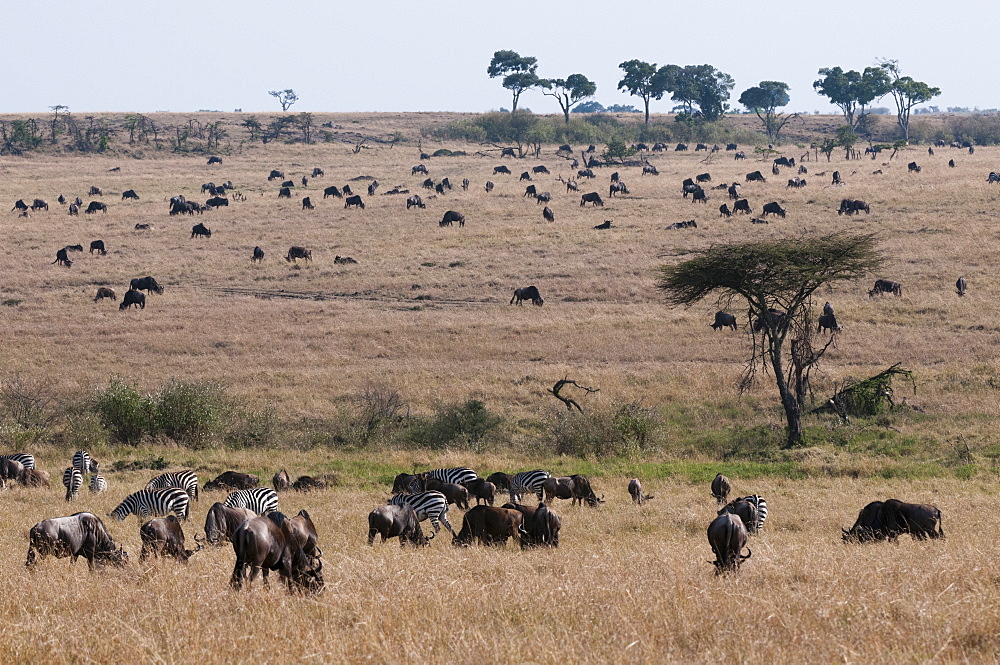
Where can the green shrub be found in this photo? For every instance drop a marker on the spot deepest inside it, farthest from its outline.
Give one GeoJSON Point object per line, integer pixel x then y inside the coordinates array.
{"type": "Point", "coordinates": [124, 412]}
{"type": "Point", "coordinates": [468, 423]}
{"type": "Point", "coordinates": [625, 430]}
{"type": "Point", "coordinates": [190, 413]}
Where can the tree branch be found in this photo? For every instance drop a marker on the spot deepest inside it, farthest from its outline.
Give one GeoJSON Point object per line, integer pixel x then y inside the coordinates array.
{"type": "Point", "coordinates": [569, 401]}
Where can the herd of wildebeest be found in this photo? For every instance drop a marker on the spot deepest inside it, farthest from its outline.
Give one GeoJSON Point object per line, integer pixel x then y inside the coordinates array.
{"type": "Point", "coordinates": [264, 539]}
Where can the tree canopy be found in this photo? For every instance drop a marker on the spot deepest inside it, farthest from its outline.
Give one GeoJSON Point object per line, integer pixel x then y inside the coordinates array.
{"type": "Point", "coordinates": [765, 99]}
{"type": "Point", "coordinates": [518, 72]}
{"type": "Point", "coordinates": [852, 91]}
{"type": "Point", "coordinates": [907, 93]}
{"type": "Point", "coordinates": [644, 80]}
{"type": "Point", "coordinates": [569, 91]}
{"type": "Point", "coordinates": [703, 86]}
{"type": "Point", "coordinates": [285, 97]}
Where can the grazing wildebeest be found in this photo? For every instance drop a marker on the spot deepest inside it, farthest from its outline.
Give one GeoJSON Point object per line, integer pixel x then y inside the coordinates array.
{"type": "Point", "coordinates": [147, 284]}
{"type": "Point", "coordinates": [527, 293]}
{"type": "Point", "coordinates": [539, 526]}
{"type": "Point", "coordinates": [960, 286]}
{"type": "Point", "coordinates": [450, 217]}
{"type": "Point", "coordinates": [419, 168]}
{"type": "Point", "coordinates": [501, 169]}
{"type": "Point", "coordinates": [700, 146]}
{"type": "Point", "coordinates": [690, 224]}
{"type": "Point", "coordinates": [81, 534]}
{"type": "Point", "coordinates": [784, 161]}
{"type": "Point", "coordinates": [10, 469]}
{"type": "Point", "coordinates": [130, 194]}
{"type": "Point", "coordinates": [545, 197]}
{"type": "Point", "coordinates": [635, 491]}
{"type": "Point", "coordinates": [828, 322]}
{"type": "Point", "coordinates": [61, 200]}
{"type": "Point", "coordinates": [721, 484]}
{"type": "Point", "coordinates": [489, 525]}
{"type": "Point", "coordinates": [285, 193]}
{"type": "Point", "coordinates": [728, 536]}
{"type": "Point", "coordinates": [992, 177]}
{"type": "Point", "coordinates": [699, 196]}
{"type": "Point", "coordinates": [317, 172]}
{"type": "Point", "coordinates": [796, 182]}
{"type": "Point", "coordinates": [74, 209]}
{"type": "Point", "coordinates": [34, 478]}
{"type": "Point", "coordinates": [681, 147]}
{"type": "Point", "coordinates": [163, 536]}
{"type": "Point", "coordinates": [703, 177]}
{"type": "Point", "coordinates": [482, 490]}
{"type": "Point", "coordinates": [828, 308]}
{"type": "Point", "coordinates": [881, 520]}
{"type": "Point", "coordinates": [332, 191]}
{"type": "Point", "coordinates": [649, 169]}
{"type": "Point", "coordinates": [143, 227]}
{"type": "Point", "coordinates": [217, 202]}
{"type": "Point", "coordinates": [489, 185]}
{"type": "Point", "coordinates": [98, 246]}
{"type": "Point", "coordinates": [415, 200]}
{"type": "Point", "coordinates": [304, 181]}
{"type": "Point", "coordinates": [201, 231]}
{"type": "Point", "coordinates": [281, 481]}
{"type": "Point", "coordinates": [913, 167]}
{"type": "Point", "coordinates": [740, 155]}
{"type": "Point", "coordinates": [258, 255]}
{"type": "Point", "coordinates": [307, 204]}
{"type": "Point", "coordinates": [755, 176]}
{"type": "Point", "coordinates": [222, 520]}
{"type": "Point", "coordinates": [734, 191]}
{"type": "Point", "coordinates": [78, 201]}
{"type": "Point", "coordinates": [586, 173]}
{"type": "Point", "coordinates": [539, 169]}
{"type": "Point", "coordinates": [571, 186]}
{"type": "Point", "coordinates": [62, 258]}
{"type": "Point", "coordinates": [886, 286]}
{"type": "Point", "coordinates": [851, 206]}
{"type": "Point", "coordinates": [372, 186]}
{"type": "Point", "coordinates": [530, 190]}
{"type": "Point", "coordinates": [446, 183]}
{"type": "Point", "coordinates": [295, 253]}
{"type": "Point", "coordinates": [454, 493]}
{"type": "Point", "coordinates": [207, 187]}
{"type": "Point", "coordinates": [724, 320]}
{"type": "Point", "coordinates": [94, 206]}
{"type": "Point", "coordinates": [132, 297]}
{"type": "Point", "coordinates": [465, 184]}
{"type": "Point", "coordinates": [263, 544]}
{"type": "Point", "coordinates": [275, 175]}
{"type": "Point", "coordinates": [96, 191]}
{"type": "Point", "coordinates": [742, 206]}
{"type": "Point", "coordinates": [746, 511]}
{"type": "Point", "coordinates": [508, 152]}
{"type": "Point", "coordinates": [39, 204]}
{"type": "Point", "coordinates": [346, 189]}
{"type": "Point", "coordinates": [525, 176]}
{"type": "Point", "coordinates": [105, 292]}
{"type": "Point", "coordinates": [214, 160]}
{"type": "Point", "coordinates": [777, 317]}
{"type": "Point", "coordinates": [354, 201]}
{"type": "Point", "coordinates": [773, 208]}
{"type": "Point", "coordinates": [724, 211]}
{"type": "Point", "coordinates": [548, 215]}
{"type": "Point", "coordinates": [617, 188]}
{"type": "Point", "coordinates": [730, 147]}
{"type": "Point", "coordinates": [592, 197]}
{"type": "Point", "coordinates": [396, 521]}
{"type": "Point", "coordinates": [232, 480]}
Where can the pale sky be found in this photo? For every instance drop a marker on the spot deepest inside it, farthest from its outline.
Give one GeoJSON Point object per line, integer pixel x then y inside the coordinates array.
{"type": "Point", "coordinates": [432, 55]}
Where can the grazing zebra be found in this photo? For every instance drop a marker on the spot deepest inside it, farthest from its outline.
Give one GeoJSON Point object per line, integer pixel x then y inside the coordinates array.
{"type": "Point", "coordinates": [261, 500]}
{"type": "Point", "coordinates": [26, 460]}
{"type": "Point", "coordinates": [154, 503]}
{"type": "Point", "coordinates": [73, 480]}
{"type": "Point", "coordinates": [98, 483]}
{"type": "Point", "coordinates": [527, 481]}
{"type": "Point", "coordinates": [458, 475]}
{"type": "Point", "coordinates": [84, 462]}
{"type": "Point", "coordinates": [761, 506]}
{"type": "Point", "coordinates": [186, 480]}
{"type": "Point", "coordinates": [427, 505]}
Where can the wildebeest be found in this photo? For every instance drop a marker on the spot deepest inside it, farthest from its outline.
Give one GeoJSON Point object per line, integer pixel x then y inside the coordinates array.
{"type": "Point", "coordinates": [258, 255]}
{"type": "Point", "coordinates": [295, 253]}
{"type": "Point", "coordinates": [281, 481]}
{"type": "Point", "coordinates": [742, 206]}
{"type": "Point", "coordinates": [396, 521]}
{"type": "Point", "coordinates": [746, 511]}
{"type": "Point", "coordinates": [262, 545]}
{"type": "Point", "coordinates": [163, 536]}
{"type": "Point", "coordinates": [222, 520]}
{"type": "Point", "coordinates": [214, 160]}
{"type": "Point", "coordinates": [635, 491]}
{"type": "Point", "coordinates": [454, 493]}
{"type": "Point", "coordinates": [721, 484]}
{"type": "Point", "coordinates": [489, 525]}
{"type": "Point", "coordinates": [723, 320]}
{"type": "Point", "coordinates": [489, 185]}
{"type": "Point", "coordinates": [147, 284]}
{"type": "Point", "coordinates": [501, 169]}
{"type": "Point", "coordinates": [773, 208]}
{"type": "Point", "coordinates": [689, 224]}
{"type": "Point", "coordinates": [785, 161]}
{"type": "Point", "coordinates": [699, 196]}
{"type": "Point", "coordinates": [19, 205]}
{"type": "Point", "coordinates": [508, 152]}
{"type": "Point", "coordinates": [201, 231]}
{"type": "Point", "coordinates": [451, 217]}
{"type": "Point", "coordinates": [734, 191]}
{"type": "Point", "coordinates": [606, 224]}
{"type": "Point", "coordinates": [10, 469]}
{"type": "Point", "coordinates": [415, 200]}
{"type": "Point", "coordinates": [465, 184]}
{"type": "Point", "coordinates": [217, 202]}
{"type": "Point", "coordinates": [836, 178]}
{"type": "Point", "coordinates": [796, 182]}
{"type": "Point", "coordinates": [680, 147]}
{"type": "Point", "coordinates": [98, 246]}
{"type": "Point", "coordinates": [372, 186]}
{"type": "Point", "coordinates": [740, 155]}
{"type": "Point", "coordinates": [74, 209]}
{"type": "Point", "coordinates": [886, 286]}
{"type": "Point", "coordinates": [755, 176]}
{"type": "Point", "coordinates": [851, 206]}
{"type": "Point", "coordinates": [285, 193]}
{"type": "Point", "coordinates": [483, 490]}
{"type": "Point", "coordinates": [579, 490]}
{"type": "Point", "coordinates": [828, 322]}
{"type": "Point", "coordinates": [527, 293]}
{"type": "Point", "coordinates": [548, 215]}
{"type": "Point", "coordinates": [62, 258]}
{"type": "Point", "coordinates": [105, 292]}
{"type": "Point", "coordinates": [132, 297]}
{"type": "Point", "coordinates": [276, 175]}
{"type": "Point", "coordinates": [130, 194]}
{"type": "Point", "coordinates": [992, 177]}
{"type": "Point", "coordinates": [539, 169]}
{"type": "Point", "coordinates": [346, 189]}
{"type": "Point", "coordinates": [703, 177]}
{"type": "Point", "coordinates": [530, 190]}
{"type": "Point", "coordinates": [960, 286]}
{"type": "Point", "coordinates": [617, 188]}
{"type": "Point", "coordinates": [81, 534]}
{"type": "Point", "coordinates": [232, 480]}
{"type": "Point", "coordinates": [724, 211]}
{"type": "Point", "coordinates": [96, 191]}
{"type": "Point", "coordinates": [332, 191]}
{"type": "Point", "coordinates": [445, 183]}
{"type": "Point", "coordinates": [317, 172]}
{"type": "Point", "coordinates": [207, 187]}
{"type": "Point", "coordinates": [34, 478]}
{"type": "Point", "coordinates": [419, 168]}
{"type": "Point", "coordinates": [525, 176]}
{"type": "Point", "coordinates": [539, 526]}
{"type": "Point", "coordinates": [912, 167]}
{"type": "Point", "coordinates": [649, 169]}
{"type": "Point", "coordinates": [354, 201]}
{"type": "Point", "coordinates": [881, 520]}
{"type": "Point", "coordinates": [40, 204]}
{"type": "Point", "coordinates": [592, 197]}
{"type": "Point", "coordinates": [307, 204]}
{"type": "Point", "coordinates": [94, 206]}
{"type": "Point", "coordinates": [728, 536]}
{"type": "Point", "coordinates": [730, 147]}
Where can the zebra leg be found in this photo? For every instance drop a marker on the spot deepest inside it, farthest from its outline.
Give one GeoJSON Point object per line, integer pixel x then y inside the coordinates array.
{"type": "Point", "coordinates": [444, 518]}
{"type": "Point", "coordinates": [436, 525]}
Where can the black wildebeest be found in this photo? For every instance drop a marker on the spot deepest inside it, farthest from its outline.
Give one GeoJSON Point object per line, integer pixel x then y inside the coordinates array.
{"type": "Point", "coordinates": [724, 211]}
{"type": "Point", "coordinates": [214, 160]}
{"type": "Point", "coordinates": [699, 196]}
{"type": "Point", "coordinates": [592, 197]}
{"type": "Point", "coordinates": [62, 258]}
{"type": "Point", "coordinates": [796, 182]}
{"type": "Point", "coordinates": [105, 292]}
{"type": "Point", "coordinates": [734, 191]}
{"type": "Point", "coordinates": [163, 536]}
{"type": "Point", "coordinates": [354, 201]}
{"type": "Point", "coordinates": [728, 536]}
{"type": "Point", "coordinates": [465, 184]}
{"type": "Point", "coordinates": [41, 204]}
{"type": "Point", "coordinates": [98, 246]}
{"type": "Point", "coordinates": [527, 293]}
{"type": "Point", "coordinates": [96, 191]}
{"type": "Point", "coordinates": [828, 322]}
{"type": "Point", "coordinates": [332, 191]}
{"type": "Point", "coordinates": [74, 209]}
{"type": "Point", "coordinates": [428, 184]}
{"type": "Point", "coordinates": [746, 511]}
{"type": "Point", "coordinates": [130, 194]}
{"type": "Point", "coordinates": [530, 190]}
{"type": "Point", "coordinates": [548, 215]}
{"type": "Point", "coordinates": [456, 494]}
{"type": "Point", "coordinates": [851, 206]}
{"type": "Point", "coordinates": [525, 176]}
{"type": "Point", "coordinates": [201, 231]}
{"type": "Point", "coordinates": [785, 161]}
{"type": "Point", "coordinates": [501, 169]}
{"type": "Point", "coordinates": [539, 526]}
{"type": "Point", "coordinates": [649, 169]}
{"type": "Point", "coordinates": [132, 297]}
{"type": "Point", "coordinates": [721, 484]}
{"type": "Point", "coordinates": [276, 175]}
{"type": "Point", "coordinates": [81, 534]}
{"type": "Point", "coordinates": [295, 253]}
{"type": "Point", "coordinates": [94, 206]}
{"type": "Point", "coordinates": [147, 284]}
{"type": "Point", "coordinates": [396, 521]}
{"type": "Point", "coordinates": [680, 147]}
{"type": "Point", "coordinates": [262, 545]}
{"type": "Point", "coordinates": [232, 480]}
{"type": "Point", "coordinates": [143, 227]}
{"type": "Point", "coordinates": [724, 320]}
{"type": "Point", "coordinates": [372, 186]}
{"type": "Point", "coordinates": [217, 202]}
{"type": "Point", "coordinates": [258, 255]}
{"type": "Point", "coordinates": [539, 169]}
{"type": "Point", "coordinates": [773, 208]}
{"type": "Point", "coordinates": [703, 177]}
{"type": "Point", "coordinates": [740, 155]}
{"type": "Point", "coordinates": [285, 193]}
{"type": "Point", "coordinates": [635, 491]}
{"type": "Point", "coordinates": [489, 525]}
{"type": "Point", "coordinates": [755, 176]}
{"type": "Point", "coordinates": [317, 172]}
{"type": "Point", "coordinates": [912, 167]}
{"type": "Point", "coordinates": [960, 286]}
{"type": "Point", "coordinates": [508, 152]}
{"type": "Point", "coordinates": [543, 197]}
{"type": "Point", "coordinates": [415, 200]}
{"type": "Point", "coordinates": [881, 520]}
{"type": "Point", "coordinates": [886, 286]}
{"type": "Point", "coordinates": [419, 168]}
{"type": "Point", "coordinates": [742, 206]}
{"type": "Point", "coordinates": [307, 204]}
{"type": "Point", "coordinates": [450, 217]}
{"type": "Point", "coordinates": [617, 188]}
{"type": "Point", "coordinates": [346, 189]}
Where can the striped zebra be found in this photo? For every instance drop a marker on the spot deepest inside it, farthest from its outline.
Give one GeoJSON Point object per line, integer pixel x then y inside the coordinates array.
{"type": "Point", "coordinates": [84, 462]}
{"type": "Point", "coordinates": [26, 460]}
{"type": "Point", "coordinates": [261, 500]}
{"type": "Point", "coordinates": [458, 475]}
{"type": "Point", "coordinates": [186, 480]}
{"type": "Point", "coordinates": [73, 480]}
{"type": "Point", "coordinates": [527, 481]}
{"type": "Point", "coordinates": [427, 505]}
{"type": "Point", "coordinates": [761, 506]}
{"type": "Point", "coordinates": [98, 483]}
{"type": "Point", "coordinates": [154, 503]}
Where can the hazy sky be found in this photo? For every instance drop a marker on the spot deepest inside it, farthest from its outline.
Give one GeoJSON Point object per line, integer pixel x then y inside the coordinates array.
{"type": "Point", "coordinates": [432, 55]}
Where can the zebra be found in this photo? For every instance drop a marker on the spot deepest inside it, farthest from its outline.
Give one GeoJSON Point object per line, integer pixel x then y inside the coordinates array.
{"type": "Point", "coordinates": [458, 475]}
{"type": "Point", "coordinates": [84, 462]}
{"type": "Point", "coordinates": [761, 506]}
{"type": "Point", "coordinates": [154, 503]}
{"type": "Point", "coordinates": [994, 177]}
{"type": "Point", "coordinates": [26, 460]}
{"type": "Point", "coordinates": [261, 500]}
{"type": "Point", "coordinates": [98, 483]}
{"type": "Point", "coordinates": [530, 481]}
{"type": "Point", "coordinates": [186, 480]}
{"type": "Point", "coordinates": [427, 505]}
{"type": "Point", "coordinates": [73, 480]}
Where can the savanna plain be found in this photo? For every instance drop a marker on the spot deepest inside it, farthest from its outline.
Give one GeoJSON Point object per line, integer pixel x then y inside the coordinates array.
{"type": "Point", "coordinates": [424, 315]}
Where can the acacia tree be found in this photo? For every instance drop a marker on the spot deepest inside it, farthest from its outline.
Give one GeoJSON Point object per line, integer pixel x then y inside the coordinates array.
{"type": "Point", "coordinates": [644, 80]}
{"type": "Point", "coordinates": [852, 91]}
{"type": "Point", "coordinates": [774, 276]}
{"type": "Point", "coordinates": [907, 93]}
{"type": "Point", "coordinates": [765, 99]}
{"type": "Point", "coordinates": [285, 97]}
{"type": "Point", "coordinates": [701, 85]}
{"type": "Point", "coordinates": [569, 91]}
{"type": "Point", "coordinates": [518, 72]}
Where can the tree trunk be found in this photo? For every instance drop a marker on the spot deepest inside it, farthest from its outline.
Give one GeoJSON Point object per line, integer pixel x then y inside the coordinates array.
{"type": "Point", "coordinates": [793, 414]}
{"type": "Point", "coordinates": [647, 109]}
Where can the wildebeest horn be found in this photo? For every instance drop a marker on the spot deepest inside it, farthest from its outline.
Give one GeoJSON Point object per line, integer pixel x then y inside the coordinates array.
{"type": "Point", "coordinates": [431, 537]}
{"type": "Point", "coordinates": [197, 539]}
{"type": "Point", "coordinates": [748, 554]}
{"type": "Point", "coordinates": [319, 552]}
{"type": "Point", "coordinates": [846, 532]}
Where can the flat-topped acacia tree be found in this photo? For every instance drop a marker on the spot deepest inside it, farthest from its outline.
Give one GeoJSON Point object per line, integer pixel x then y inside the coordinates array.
{"type": "Point", "coordinates": [771, 275]}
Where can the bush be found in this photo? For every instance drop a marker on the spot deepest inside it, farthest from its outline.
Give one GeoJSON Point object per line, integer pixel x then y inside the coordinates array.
{"type": "Point", "coordinates": [124, 412]}
{"type": "Point", "coordinates": [627, 429]}
{"type": "Point", "coordinates": [468, 423]}
{"type": "Point", "coordinates": [190, 413]}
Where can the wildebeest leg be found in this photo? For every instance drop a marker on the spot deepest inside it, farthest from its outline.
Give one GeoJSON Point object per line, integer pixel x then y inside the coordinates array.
{"type": "Point", "coordinates": [239, 575]}
{"type": "Point", "coordinates": [263, 573]}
